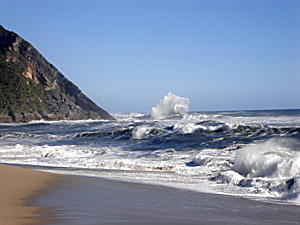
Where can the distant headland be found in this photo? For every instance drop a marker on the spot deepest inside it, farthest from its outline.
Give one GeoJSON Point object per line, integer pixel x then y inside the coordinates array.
{"type": "Point", "coordinates": [31, 88]}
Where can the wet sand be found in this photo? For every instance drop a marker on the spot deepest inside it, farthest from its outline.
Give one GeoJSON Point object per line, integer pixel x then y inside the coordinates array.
{"type": "Point", "coordinates": [84, 200]}
{"type": "Point", "coordinates": [17, 186]}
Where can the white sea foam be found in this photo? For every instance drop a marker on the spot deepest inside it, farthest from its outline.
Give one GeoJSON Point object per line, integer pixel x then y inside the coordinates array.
{"type": "Point", "coordinates": [188, 128]}
{"type": "Point", "coordinates": [170, 105]}
{"type": "Point", "coordinates": [140, 131]}
{"type": "Point", "coordinates": [273, 158]}
{"type": "Point", "coordinates": [222, 151]}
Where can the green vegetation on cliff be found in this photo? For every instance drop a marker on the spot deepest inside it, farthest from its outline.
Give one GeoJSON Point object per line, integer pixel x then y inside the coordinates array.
{"type": "Point", "coordinates": [31, 88]}
{"type": "Point", "coordinates": [18, 93]}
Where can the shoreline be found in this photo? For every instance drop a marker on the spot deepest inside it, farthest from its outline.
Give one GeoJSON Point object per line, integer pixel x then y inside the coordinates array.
{"type": "Point", "coordinates": [18, 186]}
{"type": "Point", "coordinates": [59, 199]}
{"type": "Point", "coordinates": [89, 200]}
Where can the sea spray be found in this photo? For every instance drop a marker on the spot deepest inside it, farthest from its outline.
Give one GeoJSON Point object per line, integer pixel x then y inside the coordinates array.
{"type": "Point", "coordinates": [170, 105]}
{"type": "Point", "coordinates": [140, 131]}
{"type": "Point", "coordinates": [252, 153]}
{"type": "Point", "coordinates": [273, 158]}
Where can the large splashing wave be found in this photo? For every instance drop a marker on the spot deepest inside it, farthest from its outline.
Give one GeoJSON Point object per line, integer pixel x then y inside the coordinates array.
{"type": "Point", "coordinates": [254, 152]}
{"type": "Point", "coordinates": [170, 105]}
{"type": "Point", "coordinates": [275, 158]}
{"type": "Point", "coordinates": [270, 168]}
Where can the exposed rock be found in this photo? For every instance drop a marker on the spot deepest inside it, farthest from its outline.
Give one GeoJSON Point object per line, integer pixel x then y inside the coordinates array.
{"type": "Point", "coordinates": [50, 116]}
{"type": "Point", "coordinates": [31, 88]}
{"type": "Point", "coordinates": [17, 117]}
{"type": "Point", "coordinates": [4, 118]}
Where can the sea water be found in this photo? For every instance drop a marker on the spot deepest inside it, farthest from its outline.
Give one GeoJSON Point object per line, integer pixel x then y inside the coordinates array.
{"type": "Point", "coordinates": [254, 154]}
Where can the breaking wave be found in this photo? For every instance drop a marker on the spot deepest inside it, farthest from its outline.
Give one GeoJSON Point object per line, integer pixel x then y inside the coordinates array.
{"type": "Point", "coordinates": [277, 158]}
{"type": "Point", "coordinates": [170, 105]}
{"type": "Point", "coordinates": [251, 152]}
{"type": "Point", "coordinates": [269, 168]}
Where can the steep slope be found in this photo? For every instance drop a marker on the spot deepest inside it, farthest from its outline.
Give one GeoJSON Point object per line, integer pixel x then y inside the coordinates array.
{"type": "Point", "coordinates": [31, 88]}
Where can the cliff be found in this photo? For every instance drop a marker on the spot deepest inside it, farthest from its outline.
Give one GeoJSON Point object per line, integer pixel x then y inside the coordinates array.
{"type": "Point", "coordinates": [31, 88]}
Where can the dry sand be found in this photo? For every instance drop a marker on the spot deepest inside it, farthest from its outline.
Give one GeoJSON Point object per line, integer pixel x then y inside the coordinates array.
{"type": "Point", "coordinates": [17, 186]}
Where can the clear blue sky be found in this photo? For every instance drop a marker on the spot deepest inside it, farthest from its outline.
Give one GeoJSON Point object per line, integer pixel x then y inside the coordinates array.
{"type": "Point", "coordinates": [128, 54]}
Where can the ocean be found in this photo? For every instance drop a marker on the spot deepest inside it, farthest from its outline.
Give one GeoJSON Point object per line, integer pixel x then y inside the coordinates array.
{"type": "Point", "coordinates": [253, 154]}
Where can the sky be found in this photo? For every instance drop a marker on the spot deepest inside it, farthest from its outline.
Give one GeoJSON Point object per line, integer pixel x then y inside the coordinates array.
{"type": "Point", "coordinates": [127, 54]}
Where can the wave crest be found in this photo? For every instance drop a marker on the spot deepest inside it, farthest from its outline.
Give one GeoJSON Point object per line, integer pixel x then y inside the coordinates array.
{"type": "Point", "coordinates": [274, 158]}
{"type": "Point", "coordinates": [170, 105]}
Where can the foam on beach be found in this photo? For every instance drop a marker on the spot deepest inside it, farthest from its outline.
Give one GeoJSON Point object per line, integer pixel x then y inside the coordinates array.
{"type": "Point", "coordinates": [253, 154]}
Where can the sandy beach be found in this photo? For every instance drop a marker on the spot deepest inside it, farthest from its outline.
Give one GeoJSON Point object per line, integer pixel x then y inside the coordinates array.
{"type": "Point", "coordinates": [84, 200]}
{"type": "Point", "coordinates": [18, 185]}
{"type": "Point", "coordinates": [87, 200]}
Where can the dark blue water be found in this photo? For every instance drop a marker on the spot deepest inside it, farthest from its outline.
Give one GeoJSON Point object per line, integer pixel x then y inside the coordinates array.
{"type": "Point", "coordinates": [220, 147]}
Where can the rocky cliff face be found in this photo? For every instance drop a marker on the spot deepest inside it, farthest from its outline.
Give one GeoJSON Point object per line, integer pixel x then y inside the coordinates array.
{"type": "Point", "coordinates": [31, 88]}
